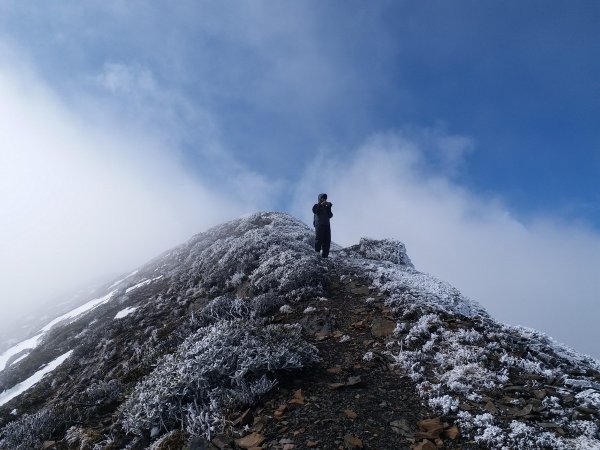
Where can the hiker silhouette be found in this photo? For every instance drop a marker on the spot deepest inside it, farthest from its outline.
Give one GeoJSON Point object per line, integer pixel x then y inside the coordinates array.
{"type": "Point", "coordinates": [322, 212]}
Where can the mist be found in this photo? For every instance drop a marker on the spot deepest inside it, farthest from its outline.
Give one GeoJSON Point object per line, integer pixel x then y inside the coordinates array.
{"type": "Point", "coordinates": [82, 200]}
{"type": "Point", "coordinates": [538, 272]}
{"type": "Point", "coordinates": [113, 150]}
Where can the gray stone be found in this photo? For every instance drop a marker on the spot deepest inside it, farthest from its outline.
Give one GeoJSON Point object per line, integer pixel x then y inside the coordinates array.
{"type": "Point", "coordinates": [402, 428]}
{"type": "Point", "coordinates": [199, 443]}
{"type": "Point", "coordinates": [382, 327]}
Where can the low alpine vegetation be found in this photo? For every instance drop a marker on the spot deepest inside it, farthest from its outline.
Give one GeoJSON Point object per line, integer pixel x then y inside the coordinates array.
{"type": "Point", "coordinates": [222, 366]}
{"type": "Point", "coordinates": [30, 430]}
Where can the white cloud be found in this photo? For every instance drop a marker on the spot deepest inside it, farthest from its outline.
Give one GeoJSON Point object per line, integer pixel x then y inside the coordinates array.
{"type": "Point", "coordinates": [542, 273]}
{"type": "Point", "coordinates": [123, 78]}
{"type": "Point", "coordinates": [81, 197]}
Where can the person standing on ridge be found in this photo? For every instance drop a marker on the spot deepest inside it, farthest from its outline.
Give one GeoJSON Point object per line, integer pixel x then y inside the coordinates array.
{"type": "Point", "coordinates": [322, 212]}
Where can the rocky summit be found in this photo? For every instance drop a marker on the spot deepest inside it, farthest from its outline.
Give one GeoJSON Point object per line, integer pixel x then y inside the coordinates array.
{"type": "Point", "coordinates": [244, 337]}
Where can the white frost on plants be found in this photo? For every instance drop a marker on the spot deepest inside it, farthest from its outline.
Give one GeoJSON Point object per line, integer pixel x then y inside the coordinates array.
{"type": "Point", "coordinates": [590, 398]}
{"type": "Point", "coordinates": [125, 312]}
{"type": "Point", "coordinates": [18, 389]}
{"type": "Point", "coordinates": [286, 309]}
{"type": "Point", "coordinates": [445, 404]}
{"type": "Point", "coordinates": [246, 270]}
{"type": "Point", "coordinates": [229, 364]}
{"type": "Point", "coordinates": [456, 353]}
{"type": "Point", "coordinates": [309, 310]}
{"type": "Point", "coordinates": [345, 338]}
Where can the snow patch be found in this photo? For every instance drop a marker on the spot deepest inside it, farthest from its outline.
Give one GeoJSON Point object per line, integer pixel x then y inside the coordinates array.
{"type": "Point", "coordinates": [18, 389]}
{"type": "Point", "coordinates": [20, 358]}
{"type": "Point", "coordinates": [122, 279]}
{"type": "Point", "coordinates": [28, 344]}
{"type": "Point", "coordinates": [141, 283]}
{"type": "Point", "coordinates": [125, 312]}
{"type": "Point", "coordinates": [92, 304]}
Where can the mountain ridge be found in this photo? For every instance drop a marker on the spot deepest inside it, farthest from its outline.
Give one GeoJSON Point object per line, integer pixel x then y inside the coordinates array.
{"type": "Point", "coordinates": [488, 385]}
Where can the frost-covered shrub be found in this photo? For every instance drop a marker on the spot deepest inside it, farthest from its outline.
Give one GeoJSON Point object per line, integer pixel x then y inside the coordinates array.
{"type": "Point", "coordinates": [31, 430]}
{"type": "Point", "coordinates": [517, 435]}
{"type": "Point", "coordinates": [445, 404]}
{"type": "Point", "coordinates": [408, 288]}
{"type": "Point", "coordinates": [221, 366]}
{"type": "Point", "coordinates": [264, 252]}
{"type": "Point", "coordinates": [455, 359]}
{"type": "Point", "coordinates": [81, 438]}
{"type": "Point", "coordinates": [103, 392]}
{"type": "Point", "coordinates": [288, 273]}
{"type": "Point", "coordinates": [422, 330]}
{"type": "Point", "coordinates": [384, 250]}
{"type": "Point", "coordinates": [225, 307]}
{"type": "Point", "coordinates": [265, 305]}
{"type": "Point", "coordinates": [229, 307]}
{"type": "Point", "coordinates": [589, 398]}
{"type": "Point", "coordinates": [286, 309]}
{"type": "Point", "coordinates": [526, 365]}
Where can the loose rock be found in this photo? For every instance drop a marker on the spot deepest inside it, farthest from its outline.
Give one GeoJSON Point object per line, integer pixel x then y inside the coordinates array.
{"type": "Point", "coordinates": [251, 440]}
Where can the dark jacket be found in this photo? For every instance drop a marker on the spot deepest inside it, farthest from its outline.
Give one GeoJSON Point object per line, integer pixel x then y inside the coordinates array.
{"type": "Point", "coordinates": [322, 213]}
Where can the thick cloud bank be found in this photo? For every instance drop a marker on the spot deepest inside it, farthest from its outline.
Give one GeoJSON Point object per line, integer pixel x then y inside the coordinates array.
{"type": "Point", "coordinates": [80, 200]}
{"type": "Point", "coordinates": [540, 273]}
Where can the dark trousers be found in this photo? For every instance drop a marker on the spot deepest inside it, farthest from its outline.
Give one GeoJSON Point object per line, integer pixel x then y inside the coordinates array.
{"type": "Point", "coordinates": [323, 238]}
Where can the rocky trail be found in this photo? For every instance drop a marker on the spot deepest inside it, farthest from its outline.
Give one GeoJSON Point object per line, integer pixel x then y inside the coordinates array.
{"type": "Point", "coordinates": [353, 398]}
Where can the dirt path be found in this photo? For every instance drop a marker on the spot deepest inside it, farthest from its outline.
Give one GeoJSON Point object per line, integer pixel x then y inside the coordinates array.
{"type": "Point", "coordinates": [347, 401]}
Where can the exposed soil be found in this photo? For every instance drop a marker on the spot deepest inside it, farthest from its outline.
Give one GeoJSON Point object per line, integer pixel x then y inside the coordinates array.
{"type": "Point", "coordinates": [345, 401]}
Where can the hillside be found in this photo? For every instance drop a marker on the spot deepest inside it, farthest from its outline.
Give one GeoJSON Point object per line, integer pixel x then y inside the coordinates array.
{"type": "Point", "coordinates": [243, 337]}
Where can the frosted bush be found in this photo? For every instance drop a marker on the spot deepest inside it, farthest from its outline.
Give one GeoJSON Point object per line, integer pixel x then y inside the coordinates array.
{"type": "Point", "coordinates": [103, 392]}
{"type": "Point", "coordinates": [388, 250]}
{"type": "Point", "coordinates": [422, 330]}
{"type": "Point", "coordinates": [583, 427]}
{"type": "Point", "coordinates": [235, 280]}
{"type": "Point", "coordinates": [31, 430]}
{"type": "Point", "coordinates": [225, 307]}
{"type": "Point", "coordinates": [526, 365]}
{"type": "Point", "coordinates": [286, 309]}
{"type": "Point", "coordinates": [79, 438]}
{"type": "Point", "coordinates": [589, 398]}
{"type": "Point", "coordinates": [463, 378]}
{"type": "Point", "coordinates": [264, 252]}
{"type": "Point", "coordinates": [265, 305]}
{"type": "Point", "coordinates": [309, 310]}
{"type": "Point", "coordinates": [443, 404]}
{"type": "Point", "coordinates": [221, 366]}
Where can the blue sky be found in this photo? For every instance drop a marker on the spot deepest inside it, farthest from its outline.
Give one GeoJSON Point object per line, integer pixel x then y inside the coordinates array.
{"type": "Point", "coordinates": [281, 80]}
{"type": "Point", "coordinates": [490, 109]}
